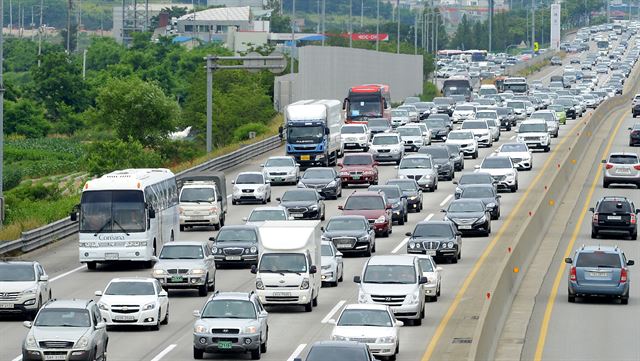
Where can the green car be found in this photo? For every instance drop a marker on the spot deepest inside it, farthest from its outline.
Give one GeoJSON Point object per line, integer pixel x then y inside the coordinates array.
{"type": "Point", "coordinates": [559, 109]}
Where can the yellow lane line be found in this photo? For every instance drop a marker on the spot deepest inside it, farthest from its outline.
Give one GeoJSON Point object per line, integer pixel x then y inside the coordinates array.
{"type": "Point", "coordinates": [456, 301]}
{"type": "Point", "coordinates": [544, 328]}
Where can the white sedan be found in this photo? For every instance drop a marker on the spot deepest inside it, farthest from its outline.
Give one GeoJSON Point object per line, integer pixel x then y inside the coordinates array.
{"type": "Point", "coordinates": [134, 301]}
{"type": "Point", "coordinates": [373, 324]}
{"type": "Point", "coordinates": [281, 169]}
{"type": "Point", "coordinates": [519, 153]}
{"type": "Point", "coordinates": [434, 277]}
{"type": "Point", "coordinates": [332, 264]}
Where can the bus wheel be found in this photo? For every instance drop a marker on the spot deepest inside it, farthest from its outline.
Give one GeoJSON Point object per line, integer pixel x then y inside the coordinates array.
{"type": "Point", "coordinates": [91, 265]}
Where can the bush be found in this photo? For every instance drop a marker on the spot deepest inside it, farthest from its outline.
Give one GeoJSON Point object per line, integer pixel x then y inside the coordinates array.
{"type": "Point", "coordinates": [11, 177]}
{"type": "Point", "coordinates": [429, 91]}
{"type": "Point", "coordinates": [107, 156]}
{"type": "Point", "coordinates": [177, 151]}
{"type": "Point", "coordinates": [242, 133]}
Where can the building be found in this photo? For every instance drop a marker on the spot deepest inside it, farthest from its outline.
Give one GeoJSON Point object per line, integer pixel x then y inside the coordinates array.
{"type": "Point", "coordinates": [254, 4]}
{"type": "Point", "coordinates": [214, 24]}
{"type": "Point", "coordinates": [135, 16]}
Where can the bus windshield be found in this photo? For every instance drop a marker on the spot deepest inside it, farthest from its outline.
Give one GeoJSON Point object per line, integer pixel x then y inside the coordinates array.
{"type": "Point", "coordinates": [365, 105]}
{"type": "Point", "coordinates": [120, 211]}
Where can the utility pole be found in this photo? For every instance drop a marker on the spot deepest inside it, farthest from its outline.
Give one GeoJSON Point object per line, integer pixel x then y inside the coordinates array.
{"type": "Point", "coordinates": [69, 8]}
{"type": "Point", "coordinates": [10, 17]}
{"type": "Point", "coordinates": [318, 24]}
{"type": "Point", "coordinates": [415, 35]}
{"type": "Point", "coordinates": [350, 23]}
{"type": "Point", "coordinates": [324, 14]}
{"type": "Point", "coordinates": [293, 35]}
{"type": "Point", "coordinates": [490, 24]}
{"type": "Point", "coordinates": [533, 22]}
{"type": "Point", "coordinates": [40, 30]}
{"type": "Point", "coordinates": [398, 14]}
{"type": "Point", "coordinates": [84, 64]}
{"type": "Point", "coordinates": [361, 14]}
{"type": "Point", "coordinates": [1, 110]}
{"type": "Point", "coordinates": [79, 24]}
{"type": "Point", "coordinates": [377, 25]}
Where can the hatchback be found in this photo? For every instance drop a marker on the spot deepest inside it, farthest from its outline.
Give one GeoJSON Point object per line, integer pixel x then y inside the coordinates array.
{"type": "Point", "coordinates": [634, 134]}
{"type": "Point", "coordinates": [621, 168]}
{"type": "Point", "coordinates": [614, 214]}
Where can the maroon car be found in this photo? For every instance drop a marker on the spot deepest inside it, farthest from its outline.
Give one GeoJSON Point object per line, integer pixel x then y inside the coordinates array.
{"type": "Point", "coordinates": [358, 168]}
{"type": "Point", "coordinates": [372, 205]}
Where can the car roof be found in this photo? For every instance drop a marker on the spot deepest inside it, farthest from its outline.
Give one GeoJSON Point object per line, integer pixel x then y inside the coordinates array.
{"type": "Point", "coordinates": [18, 262]}
{"type": "Point", "coordinates": [366, 306]}
{"type": "Point", "coordinates": [598, 248]}
{"type": "Point", "coordinates": [231, 295]}
{"type": "Point", "coordinates": [338, 344]}
{"type": "Point", "coordinates": [433, 222]}
{"type": "Point", "coordinates": [133, 279]}
{"type": "Point", "coordinates": [280, 157]}
{"type": "Point", "coordinates": [184, 243]}
{"type": "Point", "coordinates": [69, 303]}
{"type": "Point", "coordinates": [417, 155]}
{"type": "Point", "coordinates": [244, 226]}
{"type": "Point", "coordinates": [391, 260]}
{"type": "Point", "coordinates": [256, 173]}
{"type": "Point", "coordinates": [614, 199]}
{"type": "Point", "coordinates": [353, 216]}
{"type": "Point", "coordinates": [365, 194]}
{"type": "Point", "coordinates": [622, 153]}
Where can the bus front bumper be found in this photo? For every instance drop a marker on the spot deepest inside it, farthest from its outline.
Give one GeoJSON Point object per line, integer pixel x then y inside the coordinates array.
{"type": "Point", "coordinates": [108, 254]}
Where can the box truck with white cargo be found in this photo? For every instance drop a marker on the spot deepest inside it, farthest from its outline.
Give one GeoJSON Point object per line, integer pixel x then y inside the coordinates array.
{"type": "Point", "coordinates": [202, 199]}
{"type": "Point", "coordinates": [288, 271]}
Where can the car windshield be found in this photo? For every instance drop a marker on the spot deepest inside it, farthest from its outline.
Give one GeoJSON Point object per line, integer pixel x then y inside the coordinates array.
{"type": "Point", "coordinates": [436, 123]}
{"type": "Point", "coordinates": [378, 123]}
{"type": "Point", "coordinates": [261, 215]}
{"type": "Point", "coordinates": [410, 131]}
{"type": "Point", "coordinates": [442, 101]}
{"type": "Point", "coordinates": [460, 135]}
{"type": "Point", "coordinates": [492, 123]}
{"type": "Point", "coordinates": [364, 203]}
{"type": "Point", "coordinates": [460, 207]}
{"type": "Point", "coordinates": [332, 353]}
{"type": "Point", "coordinates": [283, 262]}
{"type": "Point", "coordinates": [514, 147]}
{"type": "Point", "coordinates": [63, 317]}
{"type": "Point", "coordinates": [412, 163]}
{"type": "Point", "coordinates": [127, 288]}
{"type": "Point", "coordinates": [426, 265]}
{"type": "Point", "coordinates": [319, 173]}
{"type": "Point", "coordinates": [623, 159]}
{"type": "Point", "coordinates": [515, 105]}
{"type": "Point", "coordinates": [598, 259]}
{"type": "Point", "coordinates": [181, 252]}
{"type": "Point", "coordinates": [465, 108]}
{"type": "Point", "coordinates": [433, 230]}
{"type": "Point", "coordinates": [478, 192]}
{"type": "Point", "coordinates": [399, 113]}
{"type": "Point", "coordinates": [496, 163]}
{"type": "Point", "coordinates": [229, 309]}
{"type": "Point", "coordinates": [279, 162]}
{"type": "Point", "coordinates": [17, 273]}
{"type": "Point", "coordinates": [249, 179]}
{"type": "Point", "coordinates": [354, 159]}
{"type": "Point", "coordinates": [198, 195]}
{"type": "Point", "coordinates": [346, 224]}
{"type": "Point", "coordinates": [352, 129]}
{"type": "Point", "coordinates": [484, 115]}
{"type": "Point", "coordinates": [614, 207]}
{"type": "Point", "coordinates": [400, 274]}
{"type": "Point", "coordinates": [390, 192]}
{"type": "Point", "coordinates": [556, 108]}
{"type": "Point", "coordinates": [405, 185]}
{"type": "Point", "coordinates": [373, 318]}
{"type": "Point", "coordinates": [436, 152]}
{"type": "Point", "coordinates": [544, 115]}
{"type": "Point", "coordinates": [238, 235]}
{"type": "Point", "coordinates": [532, 128]}
{"type": "Point", "coordinates": [300, 195]}
{"type": "Point", "coordinates": [474, 125]}
{"type": "Point", "coordinates": [388, 140]}
{"type": "Point", "coordinates": [326, 250]}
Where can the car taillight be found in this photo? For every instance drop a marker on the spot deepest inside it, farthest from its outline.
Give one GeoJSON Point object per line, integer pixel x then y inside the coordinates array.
{"type": "Point", "coordinates": [595, 217]}
{"type": "Point", "coordinates": [623, 275]}
{"type": "Point", "coordinates": [608, 166]}
{"type": "Point", "coordinates": [636, 167]}
{"type": "Point", "coordinates": [633, 218]}
{"type": "Point", "coordinates": [572, 274]}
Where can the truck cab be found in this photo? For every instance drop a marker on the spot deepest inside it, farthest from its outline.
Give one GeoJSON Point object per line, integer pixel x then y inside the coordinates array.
{"type": "Point", "coordinates": [202, 200]}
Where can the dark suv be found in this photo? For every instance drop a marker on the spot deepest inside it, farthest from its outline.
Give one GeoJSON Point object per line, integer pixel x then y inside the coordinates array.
{"type": "Point", "coordinates": [442, 158]}
{"type": "Point", "coordinates": [599, 271]}
{"type": "Point", "coordinates": [236, 244]}
{"type": "Point", "coordinates": [614, 214]}
{"type": "Point", "coordinates": [398, 201]}
{"type": "Point", "coordinates": [634, 134]}
{"type": "Point", "coordinates": [438, 239]}
{"type": "Point", "coordinates": [411, 189]}
{"type": "Point", "coordinates": [374, 206]}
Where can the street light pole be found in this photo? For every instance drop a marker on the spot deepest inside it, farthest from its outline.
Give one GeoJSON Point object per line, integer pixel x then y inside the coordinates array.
{"type": "Point", "coordinates": [533, 22]}
{"type": "Point", "coordinates": [490, 24]}
{"type": "Point", "coordinates": [324, 5]}
{"type": "Point", "coordinates": [350, 23]}
{"type": "Point", "coordinates": [398, 14]}
{"type": "Point", "coordinates": [361, 14]}
{"type": "Point", "coordinates": [377, 25]}
{"type": "Point", "coordinates": [1, 111]}
{"type": "Point", "coordinates": [293, 35]}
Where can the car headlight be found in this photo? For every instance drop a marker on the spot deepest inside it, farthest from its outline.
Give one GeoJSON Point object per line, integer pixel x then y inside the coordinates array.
{"type": "Point", "coordinates": [363, 297]}
{"type": "Point", "coordinates": [160, 272]}
{"type": "Point", "coordinates": [305, 284]}
{"type": "Point", "coordinates": [415, 297]}
{"type": "Point", "coordinates": [82, 342]}
{"type": "Point", "coordinates": [313, 207]}
{"type": "Point", "coordinates": [339, 338]}
{"type": "Point", "coordinates": [236, 189]}
{"type": "Point", "coordinates": [259, 284]}
{"type": "Point", "coordinates": [30, 291]}
{"type": "Point", "coordinates": [253, 249]}
{"type": "Point", "coordinates": [260, 189]}
{"type": "Point", "coordinates": [368, 172]}
{"type": "Point", "coordinates": [332, 184]}
{"type": "Point", "coordinates": [301, 185]}
{"type": "Point", "coordinates": [412, 245]}
{"type": "Point", "coordinates": [327, 266]}
{"type": "Point", "coordinates": [387, 339]}
{"type": "Point", "coordinates": [103, 306]}
{"type": "Point", "coordinates": [381, 219]}
{"type": "Point", "coordinates": [482, 219]}
{"type": "Point", "coordinates": [344, 173]}
{"type": "Point", "coordinates": [250, 329]}
{"type": "Point", "coordinates": [198, 271]}
{"type": "Point", "coordinates": [325, 238]}
{"type": "Point", "coordinates": [413, 198]}
{"type": "Point", "coordinates": [149, 306]}
{"type": "Point", "coordinates": [450, 244]}
{"type": "Point", "coordinates": [30, 341]}
{"type": "Point", "coordinates": [291, 172]}
{"type": "Point", "coordinates": [200, 329]}
{"type": "Point", "coordinates": [491, 205]}
{"type": "Point", "coordinates": [363, 238]}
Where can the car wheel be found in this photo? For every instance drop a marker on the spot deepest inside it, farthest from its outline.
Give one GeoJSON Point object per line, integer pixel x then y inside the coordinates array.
{"type": "Point", "coordinates": [92, 265]}
{"type": "Point", "coordinates": [547, 149]}
{"type": "Point", "coordinates": [166, 317]}
{"type": "Point", "coordinates": [368, 252]}
{"type": "Point", "coordinates": [438, 291]}
{"type": "Point", "coordinates": [198, 354]}
{"type": "Point", "coordinates": [341, 276]}
{"type": "Point", "coordinates": [373, 248]}
{"type": "Point", "coordinates": [255, 354]}
{"type": "Point", "coordinates": [308, 307]}
{"type": "Point", "coordinates": [340, 194]}
{"type": "Point", "coordinates": [513, 188]}
{"type": "Point", "coordinates": [624, 300]}
{"type": "Point", "coordinates": [156, 327]}
{"type": "Point", "coordinates": [322, 217]}
{"type": "Point", "coordinates": [475, 155]}
{"type": "Point", "coordinates": [634, 235]}
{"type": "Point", "coordinates": [605, 184]}
{"type": "Point", "coordinates": [233, 201]}
{"type": "Point", "coordinates": [202, 290]}
{"type": "Point", "coordinates": [454, 259]}
{"type": "Point", "coordinates": [263, 346]}
{"type": "Point", "coordinates": [401, 220]}
{"type": "Point", "coordinates": [417, 322]}
{"type": "Point", "coordinates": [181, 228]}
{"type": "Point", "coordinates": [594, 234]}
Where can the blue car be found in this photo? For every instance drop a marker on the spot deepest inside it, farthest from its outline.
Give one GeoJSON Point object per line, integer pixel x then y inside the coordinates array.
{"type": "Point", "coordinates": [599, 271]}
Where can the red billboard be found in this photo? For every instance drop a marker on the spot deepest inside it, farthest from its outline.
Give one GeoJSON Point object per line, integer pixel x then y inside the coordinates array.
{"type": "Point", "coordinates": [367, 36]}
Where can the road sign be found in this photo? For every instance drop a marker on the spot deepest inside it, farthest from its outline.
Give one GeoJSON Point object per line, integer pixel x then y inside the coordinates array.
{"type": "Point", "coordinates": [276, 65]}
{"type": "Point", "coordinates": [253, 65]}
{"type": "Point", "coordinates": [536, 46]}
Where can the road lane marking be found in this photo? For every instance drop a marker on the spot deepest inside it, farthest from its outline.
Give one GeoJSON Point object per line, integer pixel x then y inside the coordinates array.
{"type": "Point", "coordinates": [66, 273]}
{"type": "Point", "coordinates": [297, 351]}
{"type": "Point", "coordinates": [544, 327]}
{"type": "Point", "coordinates": [512, 137]}
{"type": "Point", "coordinates": [164, 352]}
{"type": "Point", "coordinates": [446, 200]}
{"type": "Point", "coordinates": [335, 309]}
{"type": "Point", "coordinates": [435, 339]}
{"type": "Point", "coordinates": [428, 217]}
{"type": "Point", "coordinates": [17, 358]}
{"type": "Point", "coordinates": [230, 195]}
{"type": "Point", "coordinates": [404, 241]}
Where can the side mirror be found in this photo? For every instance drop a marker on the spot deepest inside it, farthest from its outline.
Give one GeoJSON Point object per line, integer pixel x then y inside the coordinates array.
{"type": "Point", "coordinates": [603, 161]}
{"type": "Point", "coordinates": [321, 198]}
{"type": "Point", "coordinates": [196, 313]}
{"type": "Point", "coordinates": [244, 219]}
{"type": "Point", "coordinates": [339, 254]}
{"type": "Point", "coordinates": [154, 259]}
{"type": "Point", "coordinates": [262, 165]}
{"type": "Point", "coordinates": [408, 234]}
{"type": "Point", "coordinates": [455, 182]}
{"type": "Point", "coordinates": [376, 163]}
{"type": "Point", "coordinates": [631, 262]}
{"type": "Point", "coordinates": [254, 269]}
{"type": "Point", "coordinates": [443, 210]}
{"type": "Point", "coordinates": [326, 131]}
{"type": "Point", "coordinates": [592, 209]}
{"type": "Point", "coordinates": [101, 325]}
{"type": "Point", "coordinates": [340, 207]}
{"type": "Point", "coordinates": [163, 293]}
{"type": "Point", "coordinates": [399, 323]}
{"type": "Point", "coordinates": [44, 278]}
{"type": "Point", "coordinates": [477, 166]}
{"type": "Point", "coordinates": [340, 164]}
{"type": "Point", "coordinates": [263, 314]}
{"type": "Point", "coordinates": [313, 269]}
{"type": "Point", "coordinates": [278, 199]}
{"type": "Point", "coordinates": [332, 322]}
{"type": "Point", "coordinates": [568, 260]}
{"type": "Point", "coordinates": [388, 206]}
{"type": "Point", "coordinates": [98, 293]}
{"type": "Point", "coordinates": [212, 239]}
{"type": "Point", "coordinates": [152, 213]}
{"type": "Point", "coordinates": [322, 228]}
{"type": "Point", "coordinates": [233, 182]}
{"type": "Point", "coordinates": [439, 269]}
{"type": "Point", "coordinates": [637, 210]}
{"type": "Point", "coordinates": [424, 280]}
{"type": "Point", "coordinates": [73, 216]}
{"type": "Point", "coordinates": [27, 324]}
{"type": "Point", "coordinates": [357, 279]}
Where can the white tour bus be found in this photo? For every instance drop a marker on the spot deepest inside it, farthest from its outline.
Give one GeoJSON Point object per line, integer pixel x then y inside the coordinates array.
{"type": "Point", "coordinates": [127, 215]}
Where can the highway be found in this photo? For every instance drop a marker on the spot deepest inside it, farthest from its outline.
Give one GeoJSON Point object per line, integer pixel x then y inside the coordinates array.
{"type": "Point", "coordinates": [291, 330]}
{"type": "Point", "coordinates": [591, 329]}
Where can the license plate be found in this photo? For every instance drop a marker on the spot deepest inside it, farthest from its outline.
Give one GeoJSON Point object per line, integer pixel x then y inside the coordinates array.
{"type": "Point", "coordinates": [297, 215]}
{"type": "Point", "coordinates": [464, 227]}
{"type": "Point", "coordinates": [177, 279]}
{"type": "Point", "coordinates": [305, 157]}
{"type": "Point", "coordinates": [124, 318]}
{"type": "Point", "coordinates": [279, 179]}
{"type": "Point", "coordinates": [6, 305]}
{"type": "Point", "coordinates": [352, 144]}
{"type": "Point", "coordinates": [624, 171]}
{"type": "Point", "coordinates": [55, 357]}
{"type": "Point", "coordinates": [430, 253]}
{"type": "Point", "coordinates": [614, 218]}
{"type": "Point", "coordinates": [225, 345]}
{"type": "Point", "coordinates": [598, 274]}
{"type": "Point", "coordinates": [111, 256]}
{"type": "Point", "coordinates": [282, 294]}
{"type": "Point", "coordinates": [343, 246]}
{"type": "Point", "coordinates": [233, 258]}
{"type": "Point", "coordinates": [356, 177]}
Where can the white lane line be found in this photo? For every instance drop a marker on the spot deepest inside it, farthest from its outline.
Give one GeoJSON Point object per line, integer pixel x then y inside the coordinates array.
{"type": "Point", "coordinates": [17, 358]}
{"type": "Point", "coordinates": [297, 351]}
{"type": "Point", "coordinates": [164, 352]}
{"type": "Point", "coordinates": [335, 309]}
{"type": "Point", "coordinates": [66, 273]}
{"type": "Point", "coordinates": [428, 217]}
{"type": "Point", "coordinates": [512, 137]}
{"type": "Point", "coordinates": [446, 200]}
{"type": "Point", "coordinates": [229, 196]}
{"type": "Point", "coordinates": [402, 244]}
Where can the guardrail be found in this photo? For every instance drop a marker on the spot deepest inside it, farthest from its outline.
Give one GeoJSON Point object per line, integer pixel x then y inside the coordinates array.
{"type": "Point", "coordinates": [504, 287]}
{"type": "Point", "coordinates": [64, 228]}
{"type": "Point", "coordinates": [514, 69]}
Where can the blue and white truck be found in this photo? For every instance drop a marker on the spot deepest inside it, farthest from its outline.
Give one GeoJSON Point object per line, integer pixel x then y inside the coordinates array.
{"type": "Point", "coordinates": [313, 131]}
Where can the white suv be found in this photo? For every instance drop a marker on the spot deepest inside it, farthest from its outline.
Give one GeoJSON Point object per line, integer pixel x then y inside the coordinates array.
{"type": "Point", "coordinates": [465, 140]}
{"type": "Point", "coordinates": [535, 133]}
{"type": "Point", "coordinates": [24, 287]}
{"type": "Point", "coordinates": [387, 147]}
{"type": "Point", "coordinates": [355, 136]}
{"type": "Point", "coordinates": [251, 186]}
{"type": "Point", "coordinates": [502, 171]}
{"type": "Point", "coordinates": [480, 130]}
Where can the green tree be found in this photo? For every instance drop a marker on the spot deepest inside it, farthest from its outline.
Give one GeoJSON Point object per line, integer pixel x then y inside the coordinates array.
{"type": "Point", "coordinates": [106, 156]}
{"type": "Point", "coordinates": [137, 109]}
{"type": "Point", "coordinates": [25, 117]}
{"type": "Point", "coordinates": [103, 52]}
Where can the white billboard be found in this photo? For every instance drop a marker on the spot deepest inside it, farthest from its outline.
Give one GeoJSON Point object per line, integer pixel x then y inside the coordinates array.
{"type": "Point", "coordinates": [555, 26]}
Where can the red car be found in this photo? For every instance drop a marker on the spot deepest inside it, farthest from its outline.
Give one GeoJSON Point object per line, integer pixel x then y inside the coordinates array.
{"type": "Point", "coordinates": [372, 205]}
{"type": "Point", "coordinates": [358, 168]}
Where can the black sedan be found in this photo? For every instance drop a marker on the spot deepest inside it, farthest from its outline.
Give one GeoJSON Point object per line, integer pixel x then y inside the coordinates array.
{"type": "Point", "coordinates": [469, 216]}
{"type": "Point", "coordinates": [398, 201]}
{"type": "Point", "coordinates": [351, 234]}
{"type": "Point", "coordinates": [443, 160]}
{"type": "Point", "coordinates": [470, 179]}
{"type": "Point", "coordinates": [303, 204]}
{"type": "Point", "coordinates": [487, 194]}
{"type": "Point", "coordinates": [379, 125]}
{"type": "Point", "coordinates": [411, 189]}
{"type": "Point", "coordinates": [439, 125]}
{"type": "Point", "coordinates": [325, 181]}
{"type": "Point", "coordinates": [439, 239]}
